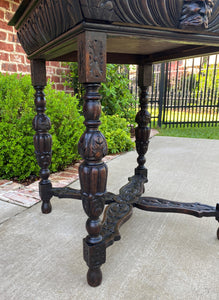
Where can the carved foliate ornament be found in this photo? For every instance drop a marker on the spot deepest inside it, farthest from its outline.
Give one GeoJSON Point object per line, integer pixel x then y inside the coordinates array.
{"type": "Point", "coordinates": [130, 192]}
{"type": "Point", "coordinates": [96, 61]}
{"type": "Point", "coordinates": [115, 215]}
{"type": "Point", "coordinates": [93, 205]}
{"type": "Point", "coordinates": [143, 118]}
{"type": "Point", "coordinates": [41, 122]}
{"type": "Point", "coordinates": [92, 146]}
{"type": "Point", "coordinates": [102, 9]}
{"type": "Point", "coordinates": [92, 57]}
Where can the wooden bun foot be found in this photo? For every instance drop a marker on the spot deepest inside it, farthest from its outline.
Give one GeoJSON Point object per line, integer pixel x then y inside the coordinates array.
{"type": "Point", "coordinates": [46, 207]}
{"type": "Point", "coordinates": [94, 277]}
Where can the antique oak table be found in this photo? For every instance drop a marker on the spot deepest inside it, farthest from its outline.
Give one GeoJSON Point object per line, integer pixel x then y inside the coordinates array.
{"type": "Point", "coordinates": [96, 32]}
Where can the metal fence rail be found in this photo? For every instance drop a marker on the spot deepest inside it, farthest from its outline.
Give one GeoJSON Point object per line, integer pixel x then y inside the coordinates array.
{"type": "Point", "coordinates": [185, 92]}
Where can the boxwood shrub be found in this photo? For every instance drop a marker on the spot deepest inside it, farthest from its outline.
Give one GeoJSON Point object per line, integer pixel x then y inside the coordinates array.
{"type": "Point", "coordinates": [17, 159]}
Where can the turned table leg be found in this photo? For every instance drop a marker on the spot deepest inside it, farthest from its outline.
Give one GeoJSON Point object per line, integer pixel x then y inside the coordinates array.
{"type": "Point", "coordinates": [42, 139]}
{"type": "Point", "coordinates": [92, 148]}
{"type": "Point", "coordinates": [142, 132]}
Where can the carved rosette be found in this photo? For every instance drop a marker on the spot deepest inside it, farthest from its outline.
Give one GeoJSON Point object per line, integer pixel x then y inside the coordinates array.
{"type": "Point", "coordinates": [196, 14]}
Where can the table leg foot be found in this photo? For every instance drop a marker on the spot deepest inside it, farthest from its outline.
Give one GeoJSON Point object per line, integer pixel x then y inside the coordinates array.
{"type": "Point", "coordinates": [94, 277]}
{"type": "Point", "coordinates": [46, 208]}
{"type": "Point", "coordinates": [95, 256]}
{"type": "Point", "coordinates": [45, 189]}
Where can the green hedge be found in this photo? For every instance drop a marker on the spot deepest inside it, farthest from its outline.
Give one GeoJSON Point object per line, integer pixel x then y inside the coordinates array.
{"type": "Point", "coordinates": [16, 134]}
{"type": "Point", "coordinates": [117, 133]}
{"type": "Point", "coordinates": [116, 96]}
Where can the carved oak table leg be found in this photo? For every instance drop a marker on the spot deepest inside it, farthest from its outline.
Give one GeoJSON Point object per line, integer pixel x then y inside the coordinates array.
{"type": "Point", "coordinates": [92, 147]}
{"type": "Point", "coordinates": [42, 139]}
{"type": "Point", "coordinates": [142, 132]}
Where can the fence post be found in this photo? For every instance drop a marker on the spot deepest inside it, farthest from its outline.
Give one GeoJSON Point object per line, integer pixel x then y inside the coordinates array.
{"type": "Point", "coordinates": [161, 93]}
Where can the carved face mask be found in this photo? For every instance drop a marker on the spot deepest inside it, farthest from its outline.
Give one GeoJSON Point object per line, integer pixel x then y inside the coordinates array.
{"type": "Point", "coordinates": [196, 13]}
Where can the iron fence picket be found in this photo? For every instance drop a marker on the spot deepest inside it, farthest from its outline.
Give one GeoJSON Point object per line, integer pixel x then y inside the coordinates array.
{"type": "Point", "coordinates": [185, 93]}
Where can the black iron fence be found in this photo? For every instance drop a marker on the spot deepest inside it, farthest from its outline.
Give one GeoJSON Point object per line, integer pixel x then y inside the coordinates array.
{"type": "Point", "coordinates": [184, 92]}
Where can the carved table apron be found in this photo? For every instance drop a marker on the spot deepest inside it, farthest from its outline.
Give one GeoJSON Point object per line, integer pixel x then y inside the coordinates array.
{"type": "Point", "coordinates": [94, 33]}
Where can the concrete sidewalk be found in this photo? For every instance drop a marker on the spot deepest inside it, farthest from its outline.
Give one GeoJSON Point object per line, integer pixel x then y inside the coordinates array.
{"type": "Point", "coordinates": [160, 256]}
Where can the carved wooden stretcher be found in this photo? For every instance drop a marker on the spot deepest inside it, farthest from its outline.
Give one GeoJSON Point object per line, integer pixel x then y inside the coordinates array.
{"type": "Point", "coordinates": [96, 32]}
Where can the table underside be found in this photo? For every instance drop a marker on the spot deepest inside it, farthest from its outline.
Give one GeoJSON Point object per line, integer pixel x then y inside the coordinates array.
{"type": "Point", "coordinates": [130, 44]}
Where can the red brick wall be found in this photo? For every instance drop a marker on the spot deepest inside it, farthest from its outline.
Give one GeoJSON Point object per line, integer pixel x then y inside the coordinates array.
{"type": "Point", "coordinates": [12, 56]}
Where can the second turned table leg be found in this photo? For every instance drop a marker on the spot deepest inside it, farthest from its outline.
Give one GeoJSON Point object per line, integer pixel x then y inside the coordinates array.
{"type": "Point", "coordinates": [42, 138]}
{"type": "Point", "coordinates": [142, 132]}
{"type": "Point", "coordinates": [92, 148]}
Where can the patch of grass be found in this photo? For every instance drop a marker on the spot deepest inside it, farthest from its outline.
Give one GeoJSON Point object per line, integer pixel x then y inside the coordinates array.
{"type": "Point", "coordinates": [210, 132]}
